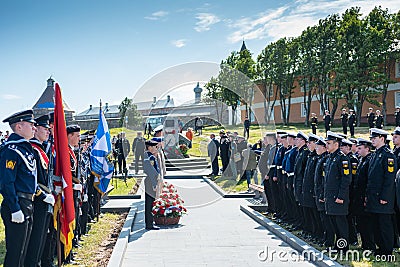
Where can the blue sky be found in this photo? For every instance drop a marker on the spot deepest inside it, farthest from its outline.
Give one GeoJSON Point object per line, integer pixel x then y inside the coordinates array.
{"type": "Point", "coordinates": [107, 50]}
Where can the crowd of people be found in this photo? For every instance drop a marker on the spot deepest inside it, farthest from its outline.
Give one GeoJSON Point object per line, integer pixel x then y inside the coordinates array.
{"type": "Point", "coordinates": [30, 190]}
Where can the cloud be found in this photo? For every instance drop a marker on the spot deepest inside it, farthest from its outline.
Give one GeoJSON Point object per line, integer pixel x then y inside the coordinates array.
{"type": "Point", "coordinates": [157, 15]}
{"type": "Point", "coordinates": [205, 20]}
{"type": "Point", "coordinates": [179, 43]}
{"type": "Point", "coordinates": [291, 19]}
{"type": "Point", "coordinates": [10, 97]}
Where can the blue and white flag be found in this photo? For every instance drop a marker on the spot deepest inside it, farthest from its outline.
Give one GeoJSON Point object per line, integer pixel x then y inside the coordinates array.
{"type": "Point", "coordinates": [100, 156]}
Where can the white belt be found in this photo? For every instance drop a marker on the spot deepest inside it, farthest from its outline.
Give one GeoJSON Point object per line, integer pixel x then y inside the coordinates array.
{"type": "Point", "coordinates": [290, 174]}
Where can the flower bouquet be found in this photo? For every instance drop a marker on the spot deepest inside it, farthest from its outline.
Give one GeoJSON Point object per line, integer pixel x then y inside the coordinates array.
{"type": "Point", "coordinates": [168, 208]}
{"type": "Point", "coordinates": [184, 150]}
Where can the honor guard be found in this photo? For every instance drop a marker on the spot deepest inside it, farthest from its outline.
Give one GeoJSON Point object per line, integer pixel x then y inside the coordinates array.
{"type": "Point", "coordinates": [380, 192]}
{"type": "Point", "coordinates": [352, 122]}
{"type": "Point", "coordinates": [371, 118]}
{"type": "Point", "coordinates": [18, 185]}
{"type": "Point", "coordinates": [152, 171]}
{"type": "Point", "coordinates": [344, 117]}
{"type": "Point", "coordinates": [44, 199]}
{"type": "Point", "coordinates": [314, 123]}
{"type": "Point", "coordinates": [336, 189]}
{"type": "Point", "coordinates": [327, 121]}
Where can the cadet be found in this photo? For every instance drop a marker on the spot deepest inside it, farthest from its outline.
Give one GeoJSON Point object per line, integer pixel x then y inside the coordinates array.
{"type": "Point", "coordinates": [352, 122]}
{"type": "Point", "coordinates": [326, 236]}
{"type": "Point", "coordinates": [138, 148]}
{"type": "Point", "coordinates": [152, 170]}
{"type": "Point", "coordinates": [344, 117]}
{"type": "Point", "coordinates": [378, 119]}
{"type": "Point", "coordinates": [380, 192]}
{"type": "Point", "coordinates": [336, 189]}
{"type": "Point", "coordinates": [311, 216]}
{"type": "Point", "coordinates": [18, 186]}
{"type": "Point", "coordinates": [314, 123]}
{"type": "Point", "coordinates": [363, 219]}
{"type": "Point", "coordinates": [44, 200]}
{"type": "Point", "coordinates": [328, 121]}
{"type": "Point", "coordinates": [371, 118]}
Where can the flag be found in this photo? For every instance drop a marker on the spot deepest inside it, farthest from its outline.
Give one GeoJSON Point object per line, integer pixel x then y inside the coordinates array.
{"type": "Point", "coordinates": [65, 202]}
{"type": "Point", "coordinates": [100, 155]}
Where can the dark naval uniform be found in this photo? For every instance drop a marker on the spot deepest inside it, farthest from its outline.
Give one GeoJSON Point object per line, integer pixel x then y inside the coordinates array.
{"type": "Point", "coordinates": [328, 122]}
{"type": "Point", "coordinates": [314, 124]}
{"type": "Point", "coordinates": [352, 123]}
{"type": "Point", "coordinates": [18, 186]}
{"type": "Point", "coordinates": [379, 121]}
{"type": "Point", "coordinates": [397, 117]}
{"type": "Point", "coordinates": [371, 119]}
{"type": "Point", "coordinates": [344, 118]}
{"type": "Point", "coordinates": [380, 186]}
{"type": "Point", "coordinates": [337, 183]}
{"type": "Point", "coordinates": [281, 203]}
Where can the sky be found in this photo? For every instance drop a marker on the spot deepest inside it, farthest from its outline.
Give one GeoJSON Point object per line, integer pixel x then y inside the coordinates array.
{"type": "Point", "coordinates": [109, 50]}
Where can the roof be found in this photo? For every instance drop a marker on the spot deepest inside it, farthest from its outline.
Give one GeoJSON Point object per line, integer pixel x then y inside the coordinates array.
{"type": "Point", "coordinates": [46, 100]}
{"type": "Point", "coordinates": [243, 47]}
{"type": "Point", "coordinates": [162, 103]}
{"type": "Point", "coordinates": [94, 111]}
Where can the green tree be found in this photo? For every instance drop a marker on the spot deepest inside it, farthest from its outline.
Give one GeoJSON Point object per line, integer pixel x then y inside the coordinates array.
{"type": "Point", "coordinates": [129, 114]}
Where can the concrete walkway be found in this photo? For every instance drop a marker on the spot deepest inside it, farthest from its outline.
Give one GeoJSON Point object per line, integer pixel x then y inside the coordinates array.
{"type": "Point", "coordinates": [214, 233]}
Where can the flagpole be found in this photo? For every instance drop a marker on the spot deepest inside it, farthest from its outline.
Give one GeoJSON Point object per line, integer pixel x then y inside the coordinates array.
{"type": "Point", "coordinates": [98, 193]}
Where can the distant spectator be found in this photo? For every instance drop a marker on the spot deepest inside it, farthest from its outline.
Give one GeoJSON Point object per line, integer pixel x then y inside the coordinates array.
{"type": "Point", "coordinates": [123, 148]}
{"type": "Point", "coordinates": [138, 148]}
{"type": "Point", "coordinates": [397, 116]}
{"type": "Point", "coordinates": [198, 126]}
{"type": "Point", "coordinates": [249, 164]}
{"type": "Point", "coordinates": [189, 134]}
{"type": "Point", "coordinates": [213, 153]}
{"type": "Point", "coordinates": [371, 118]}
{"type": "Point", "coordinates": [246, 125]}
{"type": "Point", "coordinates": [180, 124]}
{"type": "Point", "coordinates": [148, 130]}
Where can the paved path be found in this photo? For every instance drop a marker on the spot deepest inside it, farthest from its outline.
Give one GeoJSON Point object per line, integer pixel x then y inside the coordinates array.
{"type": "Point", "coordinates": [214, 233]}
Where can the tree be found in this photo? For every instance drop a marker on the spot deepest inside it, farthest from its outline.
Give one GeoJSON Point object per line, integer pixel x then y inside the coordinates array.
{"type": "Point", "coordinates": [129, 114]}
{"type": "Point", "coordinates": [213, 95]}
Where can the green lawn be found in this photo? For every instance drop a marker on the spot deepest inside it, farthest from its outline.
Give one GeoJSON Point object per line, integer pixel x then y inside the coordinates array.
{"type": "Point", "coordinates": [122, 188]}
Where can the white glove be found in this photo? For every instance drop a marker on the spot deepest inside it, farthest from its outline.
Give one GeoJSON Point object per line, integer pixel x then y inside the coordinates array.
{"type": "Point", "coordinates": [85, 198]}
{"type": "Point", "coordinates": [77, 187]}
{"type": "Point", "coordinates": [49, 199]}
{"type": "Point", "coordinates": [17, 217]}
{"type": "Point", "coordinates": [58, 189]}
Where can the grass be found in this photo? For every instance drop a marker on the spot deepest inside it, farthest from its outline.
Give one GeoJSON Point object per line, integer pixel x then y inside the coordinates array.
{"type": "Point", "coordinates": [230, 185]}
{"type": "Point", "coordinates": [120, 188]}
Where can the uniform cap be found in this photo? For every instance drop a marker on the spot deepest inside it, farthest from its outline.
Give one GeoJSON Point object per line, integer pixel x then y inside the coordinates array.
{"type": "Point", "coordinates": [51, 117]}
{"type": "Point", "coordinates": [363, 142]}
{"type": "Point", "coordinates": [26, 115]}
{"type": "Point", "coordinates": [158, 128]}
{"type": "Point", "coordinates": [333, 136]}
{"type": "Point", "coordinates": [346, 142]}
{"type": "Point", "coordinates": [270, 134]}
{"type": "Point", "coordinates": [73, 129]}
{"type": "Point", "coordinates": [313, 138]}
{"type": "Point", "coordinates": [292, 134]}
{"type": "Point", "coordinates": [396, 131]}
{"type": "Point", "coordinates": [43, 121]}
{"type": "Point", "coordinates": [222, 131]}
{"type": "Point", "coordinates": [151, 143]}
{"type": "Point", "coordinates": [354, 140]}
{"type": "Point", "coordinates": [302, 135]}
{"type": "Point", "coordinates": [342, 135]}
{"type": "Point", "coordinates": [374, 132]}
{"type": "Point", "coordinates": [281, 132]}
{"type": "Point", "coordinates": [321, 142]}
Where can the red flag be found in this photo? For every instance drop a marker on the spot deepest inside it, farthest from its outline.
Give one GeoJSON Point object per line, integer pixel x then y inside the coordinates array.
{"type": "Point", "coordinates": [65, 203]}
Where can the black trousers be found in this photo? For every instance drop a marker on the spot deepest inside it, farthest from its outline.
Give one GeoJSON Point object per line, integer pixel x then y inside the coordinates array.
{"type": "Point", "coordinates": [39, 232]}
{"type": "Point", "coordinates": [268, 193]}
{"type": "Point", "coordinates": [84, 217]}
{"type": "Point", "coordinates": [314, 129]}
{"type": "Point", "coordinates": [341, 229]}
{"type": "Point", "coordinates": [17, 234]}
{"type": "Point", "coordinates": [49, 252]}
{"type": "Point", "coordinates": [383, 233]}
{"type": "Point", "coordinates": [365, 227]}
{"type": "Point", "coordinates": [148, 207]}
{"type": "Point", "coordinates": [121, 163]}
{"type": "Point", "coordinates": [138, 156]}
{"type": "Point", "coordinates": [351, 126]}
{"type": "Point", "coordinates": [225, 161]}
{"type": "Point", "coordinates": [344, 126]}
{"type": "Point", "coordinates": [215, 167]}
{"type": "Point", "coordinates": [246, 133]}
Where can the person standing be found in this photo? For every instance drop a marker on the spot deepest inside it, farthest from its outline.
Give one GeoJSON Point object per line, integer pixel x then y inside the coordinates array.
{"type": "Point", "coordinates": [138, 147]}
{"type": "Point", "coordinates": [123, 149]}
{"type": "Point", "coordinates": [336, 189]}
{"type": "Point", "coordinates": [344, 118]}
{"type": "Point", "coordinates": [327, 121]}
{"type": "Point", "coordinates": [397, 116]}
{"type": "Point", "coordinates": [189, 134]}
{"type": "Point", "coordinates": [224, 146]}
{"type": "Point", "coordinates": [152, 171]}
{"type": "Point", "coordinates": [379, 200]}
{"type": "Point", "coordinates": [352, 122]}
{"type": "Point", "coordinates": [246, 126]}
{"type": "Point", "coordinates": [378, 119]}
{"type": "Point", "coordinates": [314, 123]}
{"type": "Point", "coordinates": [371, 118]}
{"type": "Point", "coordinates": [213, 153]}
{"type": "Point", "coordinates": [18, 186]}
{"type": "Point", "coordinates": [148, 129]}
{"type": "Point", "coordinates": [44, 199]}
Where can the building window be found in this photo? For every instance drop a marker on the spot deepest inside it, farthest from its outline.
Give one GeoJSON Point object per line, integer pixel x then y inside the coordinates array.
{"type": "Point", "coordinates": [397, 99]}
{"type": "Point", "coordinates": [286, 111]}
{"type": "Point", "coordinates": [307, 86]}
{"type": "Point", "coordinates": [303, 111]}
{"type": "Point", "coordinates": [397, 70]}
